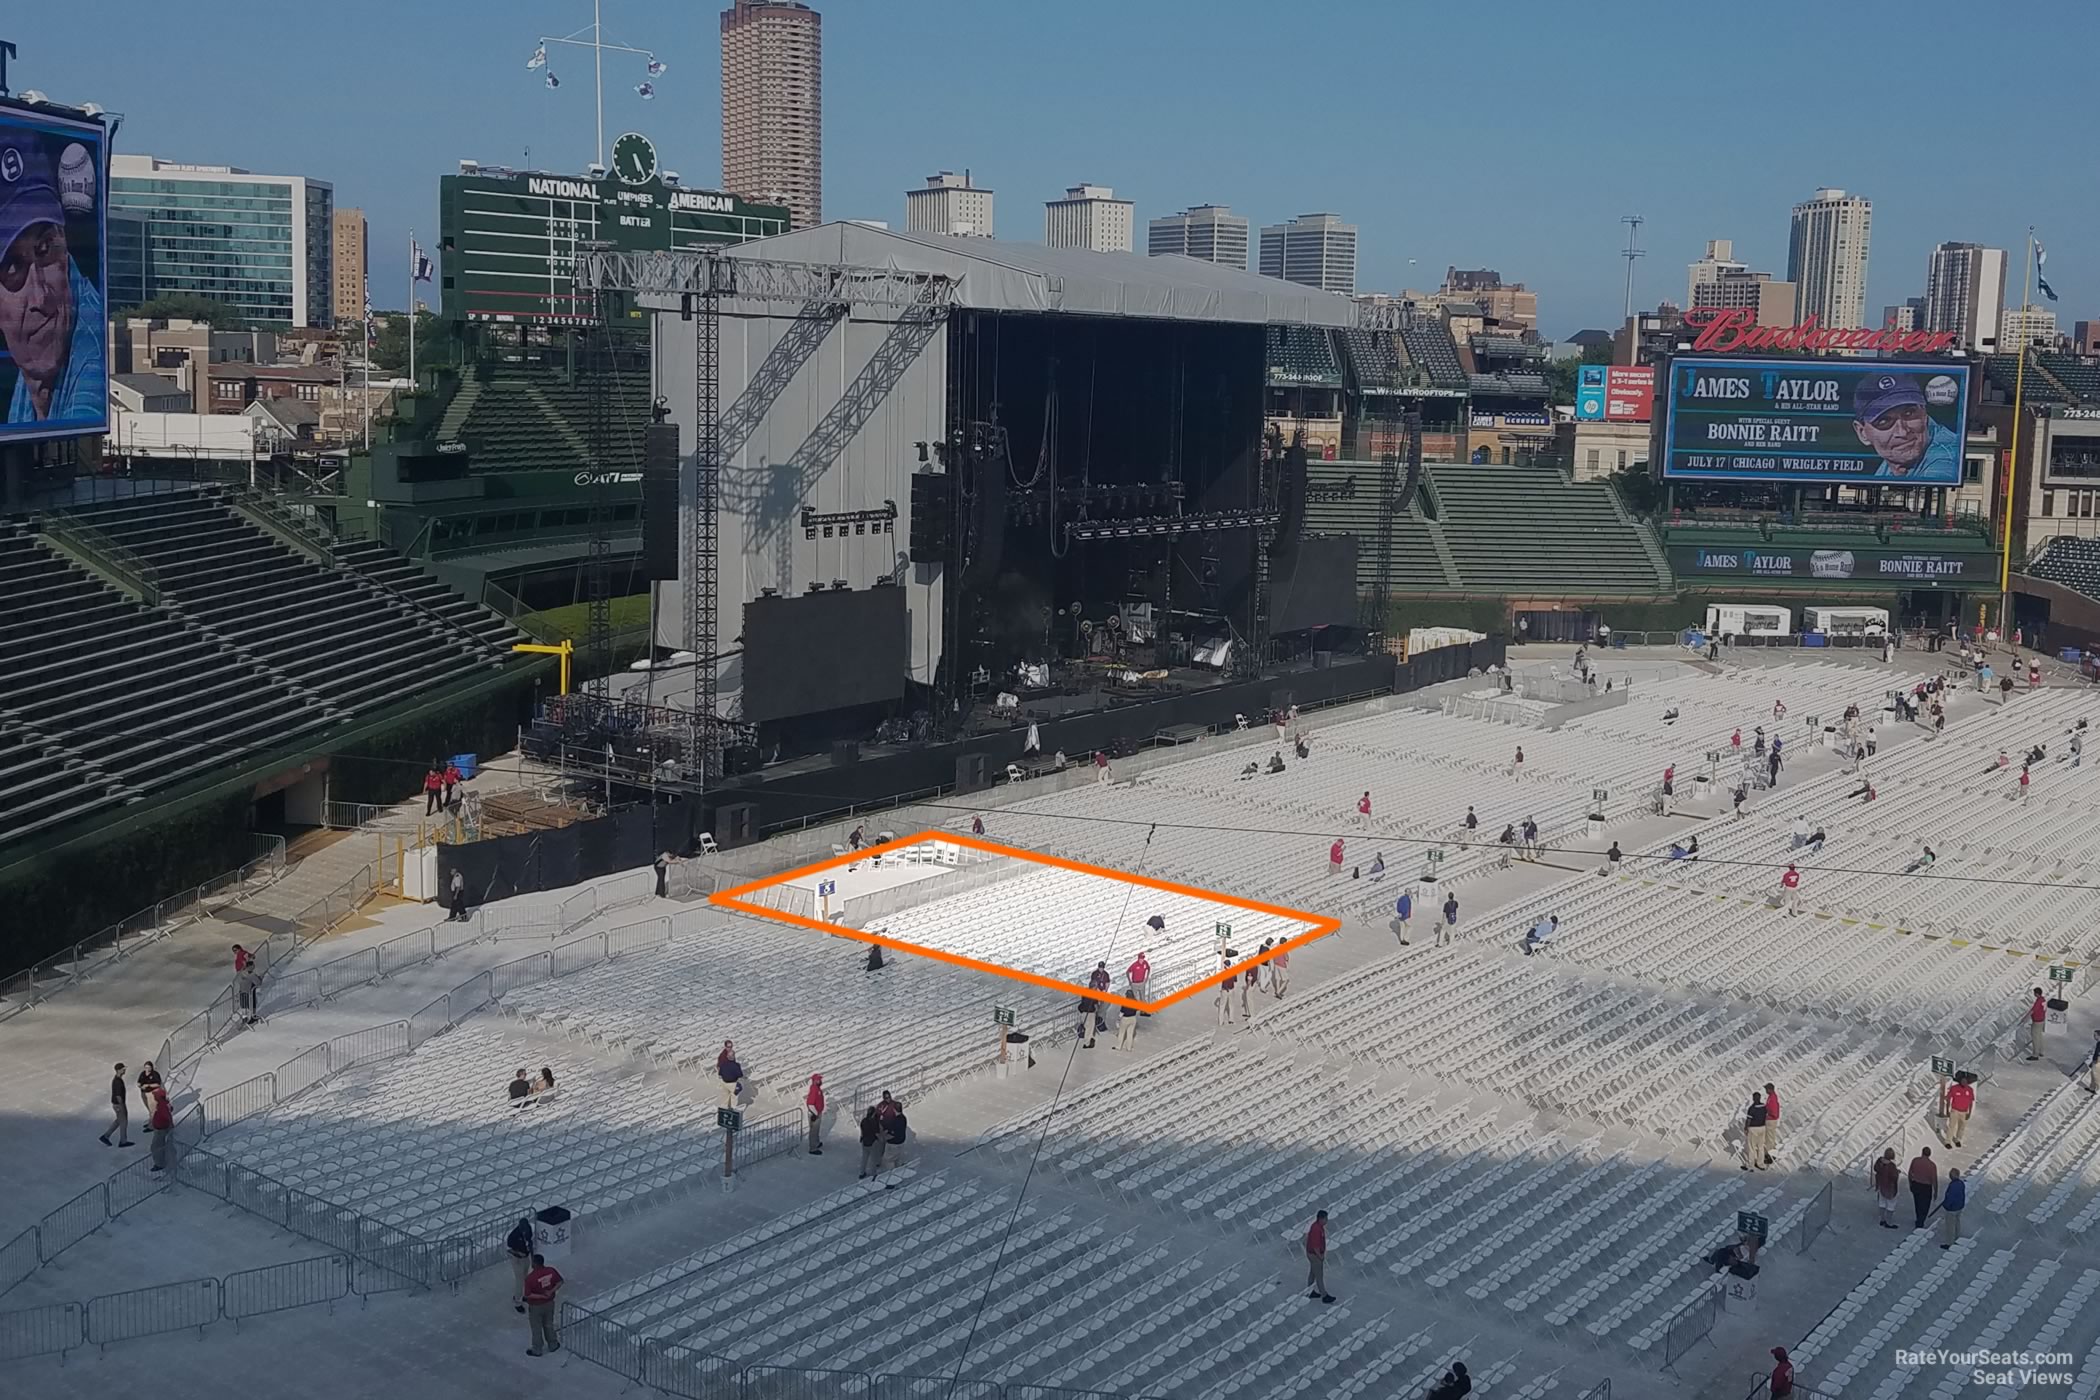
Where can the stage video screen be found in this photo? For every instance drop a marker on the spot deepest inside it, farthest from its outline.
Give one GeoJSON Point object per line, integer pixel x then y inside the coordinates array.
{"type": "Point", "coordinates": [1816, 421]}
{"type": "Point", "coordinates": [824, 651]}
{"type": "Point", "coordinates": [1317, 588]}
{"type": "Point", "coordinates": [54, 355]}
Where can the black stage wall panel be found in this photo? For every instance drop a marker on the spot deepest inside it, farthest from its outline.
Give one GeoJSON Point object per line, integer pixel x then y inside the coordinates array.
{"type": "Point", "coordinates": [660, 500]}
{"type": "Point", "coordinates": [628, 839]}
{"type": "Point", "coordinates": [824, 651]}
{"type": "Point", "coordinates": [1314, 585]}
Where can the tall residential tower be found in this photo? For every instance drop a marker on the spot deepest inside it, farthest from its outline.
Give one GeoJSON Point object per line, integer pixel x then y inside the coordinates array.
{"type": "Point", "coordinates": [1314, 250]}
{"type": "Point", "coordinates": [773, 105]}
{"type": "Point", "coordinates": [1826, 258]}
{"type": "Point", "coordinates": [1965, 293]}
{"type": "Point", "coordinates": [1208, 233]}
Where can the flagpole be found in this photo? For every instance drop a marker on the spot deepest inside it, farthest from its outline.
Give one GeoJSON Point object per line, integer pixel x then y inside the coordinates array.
{"type": "Point", "coordinates": [2012, 465]}
{"type": "Point", "coordinates": [411, 311]}
{"type": "Point", "coordinates": [366, 393]}
{"type": "Point", "coordinates": [598, 58]}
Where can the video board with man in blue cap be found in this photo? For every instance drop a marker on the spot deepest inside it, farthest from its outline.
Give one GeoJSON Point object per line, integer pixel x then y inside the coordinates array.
{"type": "Point", "coordinates": [54, 360]}
{"type": "Point", "coordinates": [1816, 420]}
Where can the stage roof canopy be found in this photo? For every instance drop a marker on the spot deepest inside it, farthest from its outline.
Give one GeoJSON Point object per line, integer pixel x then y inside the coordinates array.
{"type": "Point", "coordinates": [996, 276]}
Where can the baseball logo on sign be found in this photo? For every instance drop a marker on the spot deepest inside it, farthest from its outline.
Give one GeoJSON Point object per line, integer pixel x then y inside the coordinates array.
{"type": "Point", "coordinates": [10, 165]}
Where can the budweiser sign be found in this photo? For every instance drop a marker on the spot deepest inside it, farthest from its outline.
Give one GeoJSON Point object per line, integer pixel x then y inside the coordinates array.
{"type": "Point", "coordinates": [1738, 330]}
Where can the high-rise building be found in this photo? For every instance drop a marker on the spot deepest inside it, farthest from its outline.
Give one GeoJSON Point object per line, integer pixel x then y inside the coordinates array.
{"type": "Point", "coordinates": [261, 244]}
{"type": "Point", "coordinates": [773, 105]}
{"type": "Point", "coordinates": [1089, 216]}
{"type": "Point", "coordinates": [1313, 250]}
{"type": "Point", "coordinates": [1208, 232]}
{"type": "Point", "coordinates": [1826, 258]}
{"type": "Point", "coordinates": [950, 203]}
{"type": "Point", "coordinates": [1905, 315]}
{"type": "Point", "coordinates": [1737, 288]}
{"type": "Point", "coordinates": [2024, 326]}
{"type": "Point", "coordinates": [1719, 258]}
{"type": "Point", "coordinates": [2085, 337]}
{"type": "Point", "coordinates": [352, 263]}
{"type": "Point", "coordinates": [1965, 293]}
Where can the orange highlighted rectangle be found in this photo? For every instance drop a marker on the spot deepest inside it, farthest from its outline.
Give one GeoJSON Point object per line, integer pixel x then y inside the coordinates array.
{"type": "Point", "coordinates": [1318, 925]}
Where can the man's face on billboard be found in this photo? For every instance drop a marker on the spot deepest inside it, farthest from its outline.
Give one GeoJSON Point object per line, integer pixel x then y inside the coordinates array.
{"type": "Point", "coordinates": [36, 303]}
{"type": "Point", "coordinates": [1899, 435]}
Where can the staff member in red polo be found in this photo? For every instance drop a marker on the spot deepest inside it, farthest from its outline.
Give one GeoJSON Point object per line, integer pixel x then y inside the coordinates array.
{"type": "Point", "coordinates": [541, 1285]}
{"type": "Point", "coordinates": [2037, 1018]}
{"type": "Point", "coordinates": [1139, 973]}
{"type": "Point", "coordinates": [1961, 1099]}
{"type": "Point", "coordinates": [1790, 890]}
{"type": "Point", "coordinates": [1771, 1122]}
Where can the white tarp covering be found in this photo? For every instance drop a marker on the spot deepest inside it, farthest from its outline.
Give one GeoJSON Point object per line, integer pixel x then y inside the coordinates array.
{"type": "Point", "coordinates": [210, 435]}
{"type": "Point", "coordinates": [997, 276]}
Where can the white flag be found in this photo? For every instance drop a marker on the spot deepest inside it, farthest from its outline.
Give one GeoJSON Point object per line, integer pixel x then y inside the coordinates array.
{"type": "Point", "coordinates": [538, 59]}
{"type": "Point", "coordinates": [656, 66]}
{"type": "Point", "coordinates": [552, 81]}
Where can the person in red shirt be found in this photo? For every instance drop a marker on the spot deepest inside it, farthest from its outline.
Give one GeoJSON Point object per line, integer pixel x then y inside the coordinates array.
{"type": "Point", "coordinates": [2026, 784]}
{"type": "Point", "coordinates": [1790, 889]}
{"type": "Point", "coordinates": [1316, 1259]}
{"type": "Point", "coordinates": [452, 779]}
{"type": "Point", "coordinates": [241, 958]}
{"type": "Point", "coordinates": [163, 1125]}
{"type": "Point", "coordinates": [2037, 1017]}
{"type": "Point", "coordinates": [1961, 1099]}
{"type": "Point", "coordinates": [1334, 857]}
{"type": "Point", "coordinates": [1139, 973]}
{"type": "Point", "coordinates": [1771, 1122]}
{"type": "Point", "coordinates": [1735, 740]}
{"type": "Point", "coordinates": [433, 787]}
{"type": "Point", "coordinates": [1100, 766]}
{"type": "Point", "coordinates": [542, 1283]}
{"type": "Point", "coordinates": [1363, 805]}
{"type": "Point", "coordinates": [1225, 990]}
{"type": "Point", "coordinates": [1280, 974]}
{"type": "Point", "coordinates": [813, 1104]}
{"type": "Point", "coordinates": [1782, 1375]}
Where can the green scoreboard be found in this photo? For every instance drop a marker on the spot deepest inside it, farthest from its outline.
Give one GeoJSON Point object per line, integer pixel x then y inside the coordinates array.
{"type": "Point", "coordinates": [508, 239]}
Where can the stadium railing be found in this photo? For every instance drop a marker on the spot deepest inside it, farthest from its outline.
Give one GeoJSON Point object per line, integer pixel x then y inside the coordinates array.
{"type": "Point", "coordinates": [1804, 1389]}
{"type": "Point", "coordinates": [89, 1211]}
{"type": "Point", "coordinates": [1690, 1324]}
{"type": "Point", "coordinates": [317, 1281]}
{"type": "Point", "coordinates": [134, 931]}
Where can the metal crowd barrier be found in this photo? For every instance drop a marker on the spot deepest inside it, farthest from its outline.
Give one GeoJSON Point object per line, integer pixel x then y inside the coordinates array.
{"type": "Point", "coordinates": [1690, 1324]}
{"type": "Point", "coordinates": [321, 1280]}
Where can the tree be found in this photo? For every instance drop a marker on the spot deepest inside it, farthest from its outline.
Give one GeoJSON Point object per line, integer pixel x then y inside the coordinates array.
{"type": "Point", "coordinates": [188, 306]}
{"type": "Point", "coordinates": [435, 344]}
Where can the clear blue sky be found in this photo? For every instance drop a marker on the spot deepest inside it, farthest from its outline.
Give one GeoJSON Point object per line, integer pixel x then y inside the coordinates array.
{"type": "Point", "coordinates": [1509, 135]}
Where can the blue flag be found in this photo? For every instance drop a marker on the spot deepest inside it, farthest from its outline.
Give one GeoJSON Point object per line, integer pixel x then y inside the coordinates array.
{"type": "Point", "coordinates": [418, 261]}
{"type": "Point", "coordinates": [2041, 256]}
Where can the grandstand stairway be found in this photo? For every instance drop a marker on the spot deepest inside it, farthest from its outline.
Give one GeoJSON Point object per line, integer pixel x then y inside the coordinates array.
{"type": "Point", "coordinates": [454, 423]}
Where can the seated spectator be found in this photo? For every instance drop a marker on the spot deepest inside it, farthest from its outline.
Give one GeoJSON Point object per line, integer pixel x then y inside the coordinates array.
{"type": "Point", "coordinates": [1249, 771]}
{"type": "Point", "coordinates": [1815, 841]}
{"type": "Point", "coordinates": [1302, 750]}
{"type": "Point", "coordinates": [1923, 862]}
{"type": "Point", "coordinates": [1276, 761]}
{"type": "Point", "coordinates": [545, 1083]}
{"type": "Point", "coordinates": [1454, 1384]}
{"type": "Point", "coordinates": [1157, 923]}
{"type": "Point", "coordinates": [1541, 933]}
{"type": "Point", "coordinates": [520, 1086]}
{"type": "Point", "coordinates": [1378, 866]}
{"type": "Point", "coordinates": [1739, 1258]}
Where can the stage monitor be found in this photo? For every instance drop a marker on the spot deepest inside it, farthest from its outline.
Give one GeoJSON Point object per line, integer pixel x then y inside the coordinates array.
{"type": "Point", "coordinates": [1314, 586]}
{"type": "Point", "coordinates": [824, 651]}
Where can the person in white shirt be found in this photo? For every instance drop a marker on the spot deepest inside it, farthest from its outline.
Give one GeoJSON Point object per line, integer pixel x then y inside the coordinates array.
{"type": "Point", "coordinates": [1541, 933]}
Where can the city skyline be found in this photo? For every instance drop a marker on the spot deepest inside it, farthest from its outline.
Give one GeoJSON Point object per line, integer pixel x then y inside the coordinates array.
{"type": "Point", "coordinates": [1125, 120]}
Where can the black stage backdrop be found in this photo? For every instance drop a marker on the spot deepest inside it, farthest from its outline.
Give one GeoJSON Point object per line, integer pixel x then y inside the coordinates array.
{"type": "Point", "coordinates": [824, 651]}
{"type": "Point", "coordinates": [628, 839]}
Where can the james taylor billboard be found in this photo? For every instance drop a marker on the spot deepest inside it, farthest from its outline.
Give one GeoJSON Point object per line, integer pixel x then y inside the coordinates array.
{"type": "Point", "coordinates": [54, 362]}
{"type": "Point", "coordinates": [1816, 421]}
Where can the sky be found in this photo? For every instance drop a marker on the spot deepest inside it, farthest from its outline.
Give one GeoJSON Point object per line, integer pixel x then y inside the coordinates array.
{"type": "Point", "coordinates": [1514, 135]}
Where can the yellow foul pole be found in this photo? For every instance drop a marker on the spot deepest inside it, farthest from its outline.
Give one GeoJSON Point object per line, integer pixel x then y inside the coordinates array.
{"type": "Point", "coordinates": [2012, 460]}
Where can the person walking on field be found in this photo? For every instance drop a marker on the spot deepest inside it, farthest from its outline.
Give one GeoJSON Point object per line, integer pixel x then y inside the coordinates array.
{"type": "Point", "coordinates": [433, 787]}
{"type": "Point", "coordinates": [1951, 1207]}
{"type": "Point", "coordinates": [1363, 805]}
{"type": "Point", "coordinates": [1961, 1099]}
{"type": "Point", "coordinates": [518, 1244]}
{"type": "Point", "coordinates": [120, 1111]}
{"type": "Point", "coordinates": [1280, 974]}
{"type": "Point", "coordinates": [1924, 1177]}
{"type": "Point", "coordinates": [1225, 991]}
{"type": "Point", "coordinates": [1448, 929]}
{"type": "Point", "coordinates": [1126, 1028]}
{"type": "Point", "coordinates": [1790, 890]}
{"type": "Point", "coordinates": [1886, 1175]}
{"type": "Point", "coordinates": [730, 1073]}
{"type": "Point", "coordinates": [813, 1108]}
{"type": "Point", "coordinates": [1334, 857]}
{"type": "Point", "coordinates": [542, 1283]}
{"type": "Point", "coordinates": [1403, 910]}
{"type": "Point", "coordinates": [1316, 1259]}
{"type": "Point", "coordinates": [2037, 1018]}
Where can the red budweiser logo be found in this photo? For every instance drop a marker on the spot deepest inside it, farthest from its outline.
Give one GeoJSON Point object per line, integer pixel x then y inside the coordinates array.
{"type": "Point", "coordinates": [1738, 330]}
